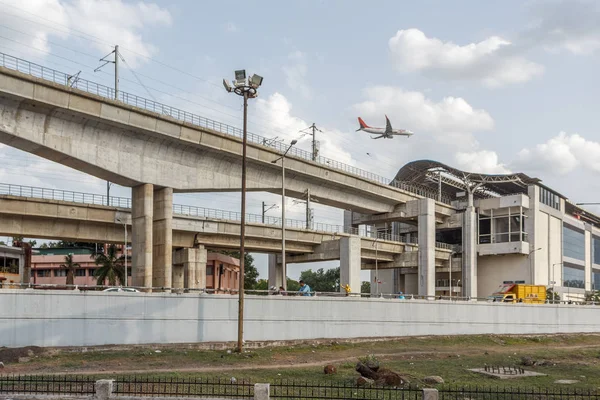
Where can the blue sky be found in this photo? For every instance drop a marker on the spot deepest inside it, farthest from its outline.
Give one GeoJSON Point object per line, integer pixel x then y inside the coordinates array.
{"type": "Point", "coordinates": [491, 86]}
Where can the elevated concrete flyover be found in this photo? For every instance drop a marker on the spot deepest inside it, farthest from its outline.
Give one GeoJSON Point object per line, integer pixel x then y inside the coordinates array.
{"type": "Point", "coordinates": [75, 128]}
{"type": "Point", "coordinates": [57, 219]}
{"type": "Point", "coordinates": [158, 150]}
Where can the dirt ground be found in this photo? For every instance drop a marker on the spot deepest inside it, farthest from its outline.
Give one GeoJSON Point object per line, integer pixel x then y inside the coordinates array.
{"type": "Point", "coordinates": [441, 352]}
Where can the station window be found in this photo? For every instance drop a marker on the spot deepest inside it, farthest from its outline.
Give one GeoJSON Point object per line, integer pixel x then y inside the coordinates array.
{"type": "Point", "coordinates": [573, 276]}
{"type": "Point", "coordinates": [550, 199]}
{"type": "Point", "coordinates": [80, 272]}
{"type": "Point", "coordinates": [573, 243]}
{"type": "Point", "coordinates": [502, 225]}
{"type": "Point", "coordinates": [60, 272]}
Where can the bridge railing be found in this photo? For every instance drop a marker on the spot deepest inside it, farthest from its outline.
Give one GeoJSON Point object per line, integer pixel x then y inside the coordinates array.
{"type": "Point", "coordinates": [61, 78]}
{"type": "Point", "coordinates": [203, 212]}
{"type": "Point", "coordinates": [62, 195]}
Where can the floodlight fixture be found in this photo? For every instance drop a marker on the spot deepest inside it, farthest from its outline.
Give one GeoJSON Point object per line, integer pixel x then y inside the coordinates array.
{"type": "Point", "coordinates": [227, 86]}
{"type": "Point", "coordinates": [240, 77]}
{"type": "Point", "coordinates": [293, 141]}
{"type": "Point", "coordinates": [256, 81]}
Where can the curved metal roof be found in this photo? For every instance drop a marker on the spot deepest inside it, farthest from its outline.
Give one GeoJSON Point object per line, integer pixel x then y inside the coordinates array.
{"type": "Point", "coordinates": [427, 173]}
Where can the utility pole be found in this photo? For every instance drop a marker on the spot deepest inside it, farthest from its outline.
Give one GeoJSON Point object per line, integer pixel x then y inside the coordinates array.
{"type": "Point", "coordinates": [308, 211]}
{"type": "Point", "coordinates": [315, 147]}
{"type": "Point", "coordinates": [116, 62]}
{"type": "Point", "coordinates": [266, 208]}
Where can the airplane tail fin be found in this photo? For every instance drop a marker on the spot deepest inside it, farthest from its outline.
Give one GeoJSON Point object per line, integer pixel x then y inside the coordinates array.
{"type": "Point", "coordinates": [362, 123]}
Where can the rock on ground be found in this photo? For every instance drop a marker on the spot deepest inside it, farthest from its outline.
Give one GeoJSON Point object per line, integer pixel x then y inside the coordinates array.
{"type": "Point", "coordinates": [433, 379]}
{"type": "Point", "coordinates": [362, 381]}
{"type": "Point", "coordinates": [329, 369]}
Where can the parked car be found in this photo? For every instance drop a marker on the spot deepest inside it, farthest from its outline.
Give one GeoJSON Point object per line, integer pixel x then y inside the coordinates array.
{"type": "Point", "coordinates": [121, 289]}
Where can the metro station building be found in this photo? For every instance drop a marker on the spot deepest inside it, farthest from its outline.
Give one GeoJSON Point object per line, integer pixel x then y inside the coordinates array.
{"type": "Point", "coordinates": [521, 231]}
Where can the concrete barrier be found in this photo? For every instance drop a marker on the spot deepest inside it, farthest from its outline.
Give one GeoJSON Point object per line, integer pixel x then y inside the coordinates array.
{"type": "Point", "coordinates": [65, 318]}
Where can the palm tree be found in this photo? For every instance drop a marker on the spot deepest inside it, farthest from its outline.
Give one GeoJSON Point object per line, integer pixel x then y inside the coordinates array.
{"type": "Point", "coordinates": [110, 267]}
{"type": "Point", "coordinates": [70, 266]}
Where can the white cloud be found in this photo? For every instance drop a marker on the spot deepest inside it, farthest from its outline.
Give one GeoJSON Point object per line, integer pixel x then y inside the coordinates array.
{"type": "Point", "coordinates": [231, 27]}
{"type": "Point", "coordinates": [113, 21]}
{"type": "Point", "coordinates": [561, 155]}
{"type": "Point", "coordinates": [296, 72]}
{"type": "Point", "coordinates": [565, 25]}
{"type": "Point", "coordinates": [412, 110]}
{"type": "Point", "coordinates": [277, 110]}
{"type": "Point", "coordinates": [482, 161]}
{"type": "Point", "coordinates": [492, 61]}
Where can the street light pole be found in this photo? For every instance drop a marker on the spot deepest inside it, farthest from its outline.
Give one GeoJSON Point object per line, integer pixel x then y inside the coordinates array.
{"type": "Point", "coordinates": [531, 275]}
{"type": "Point", "coordinates": [376, 269]}
{"type": "Point", "coordinates": [283, 265]}
{"type": "Point", "coordinates": [247, 89]}
{"type": "Point", "coordinates": [124, 248]}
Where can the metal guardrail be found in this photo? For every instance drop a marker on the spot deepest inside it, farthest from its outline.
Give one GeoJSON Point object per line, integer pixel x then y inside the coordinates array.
{"type": "Point", "coordinates": [184, 210]}
{"type": "Point", "coordinates": [61, 78]}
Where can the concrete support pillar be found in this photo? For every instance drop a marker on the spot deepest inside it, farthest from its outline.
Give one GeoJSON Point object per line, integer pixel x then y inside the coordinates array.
{"type": "Point", "coordinates": [189, 268]}
{"type": "Point", "coordinates": [162, 238]}
{"type": "Point", "coordinates": [275, 272]}
{"type": "Point", "coordinates": [387, 278]}
{"type": "Point", "coordinates": [142, 208]}
{"type": "Point", "coordinates": [194, 267]}
{"type": "Point", "coordinates": [350, 263]}
{"type": "Point", "coordinates": [262, 391]}
{"type": "Point", "coordinates": [469, 256]}
{"type": "Point", "coordinates": [426, 232]}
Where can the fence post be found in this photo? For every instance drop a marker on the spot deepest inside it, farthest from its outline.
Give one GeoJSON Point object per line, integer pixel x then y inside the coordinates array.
{"type": "Point", "coordinates": [104, 389]}
{"type": "Point", "coordinates": [430, 394]}
{"type": "Point", "coordinates": [262, 391]}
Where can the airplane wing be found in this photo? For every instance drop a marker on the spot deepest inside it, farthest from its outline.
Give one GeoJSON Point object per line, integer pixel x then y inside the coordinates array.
{"type": "Point", "coordinates": [388, 125]}
{"type": "Point", "coordinates": [377, 137]}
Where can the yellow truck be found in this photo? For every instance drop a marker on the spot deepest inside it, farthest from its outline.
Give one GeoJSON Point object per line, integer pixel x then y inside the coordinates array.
{"type": "Point", "coordinates": [519, 293]}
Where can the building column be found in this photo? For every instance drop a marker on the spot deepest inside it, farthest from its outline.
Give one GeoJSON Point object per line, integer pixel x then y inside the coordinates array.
{"type": "Point", "coordinates": [469, 255]}
{"type": "Point", "coordinates": [162, 238]}
{"type": "Point", "coordinates": [141, 235]}
{"type": "Point", "coordinates": [189, 268]}
{"type": "Point", "coordinates": [350, 263]}
{"type": "Point", "coordinates": [426, 239]}
{"type": "Point", "coordinates": [275, 272]}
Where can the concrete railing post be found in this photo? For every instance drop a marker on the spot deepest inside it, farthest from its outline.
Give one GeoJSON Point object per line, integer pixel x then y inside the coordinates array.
{"type": "Point", "coordinates": [262, 391]}
{"type": "Point", "coordinates": [430, 394]}
{"type": "Point", "coordinates": [104, 389]}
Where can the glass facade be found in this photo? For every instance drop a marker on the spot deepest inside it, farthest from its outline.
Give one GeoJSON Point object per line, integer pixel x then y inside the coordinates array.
{"type": "Point", "coordinates": [550, 199]}
{"type": "Point", "coordinates": [595, 279]}
{"type": "Point", "coordinates": [502, 225]}
{"type": "Point", "coordinates": [596, 250]}
{"type": "Point", "coordinates": [573, 243]}
{"type": "Point", "coordinates": [573, 276]}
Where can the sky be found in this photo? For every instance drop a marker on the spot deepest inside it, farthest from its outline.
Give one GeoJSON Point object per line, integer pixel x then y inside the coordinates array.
{"type": "Point", "coordinates": [493, 87]}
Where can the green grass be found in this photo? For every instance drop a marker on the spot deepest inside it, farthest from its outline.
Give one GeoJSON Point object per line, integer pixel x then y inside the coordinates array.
{"type": "Point", "coordinates": [576, 357]}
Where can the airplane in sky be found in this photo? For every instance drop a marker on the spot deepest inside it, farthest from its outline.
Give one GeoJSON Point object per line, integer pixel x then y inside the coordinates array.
{"type": "Point", "coordinates": [387, 133]}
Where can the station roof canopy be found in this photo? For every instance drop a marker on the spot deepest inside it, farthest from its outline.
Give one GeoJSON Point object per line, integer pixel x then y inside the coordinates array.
{"type": "Point", "coordinates": [427, 173]}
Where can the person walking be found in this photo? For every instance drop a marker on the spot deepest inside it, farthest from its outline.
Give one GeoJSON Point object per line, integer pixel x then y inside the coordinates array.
{"type": "Point", "coordinates": [304, 289]}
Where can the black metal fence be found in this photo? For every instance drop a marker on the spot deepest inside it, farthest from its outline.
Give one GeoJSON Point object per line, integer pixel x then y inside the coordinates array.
{"type": "Point", "coordinates": [183, 387]}
{"type": "Point", "coordinates": [339, 391]}
{"type": "Point", "coordinates": [146, 386]}
{"type": "Point", "coordinates": [41, 384]}
{"type": "Point", "coordinates": [507, 393]}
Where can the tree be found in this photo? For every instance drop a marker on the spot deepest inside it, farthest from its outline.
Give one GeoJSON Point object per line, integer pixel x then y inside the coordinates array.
{"type": "Point", "coordinates": [250, 271]}
{"type": "Point", "coordinates": [321, 280]}
{"type": "Point", "coordinates": [32, 243]}
{"type": "Point", "coordinates": [292, 285]}
{"type": "Point", "coordinates": [365, 287]}
{"type": "Point", "coordinates": [552, 296]}
{"type": "Point", "coordinates": [593, 296]}
{"type": "Point", "coordinates": [70, 266]}
{"type": "Point", "coordinates": [110, 267]}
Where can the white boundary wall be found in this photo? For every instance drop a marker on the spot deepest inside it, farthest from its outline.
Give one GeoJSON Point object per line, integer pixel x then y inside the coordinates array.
{"type": "Point", "coordinates": [65, 318]}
